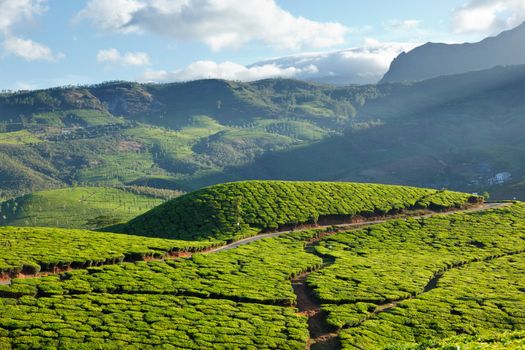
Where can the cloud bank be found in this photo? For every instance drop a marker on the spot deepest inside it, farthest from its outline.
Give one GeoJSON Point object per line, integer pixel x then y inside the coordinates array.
{"type": "Point", "coordinates": [219, 24]}
{"type": "Point", "coordinates": [351, 66]}
{"type": "Point", "coordinates": [488, 16]}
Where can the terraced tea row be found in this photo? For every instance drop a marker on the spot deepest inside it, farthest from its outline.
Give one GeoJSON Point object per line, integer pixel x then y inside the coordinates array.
{"type": "Point", "coordinates": [457, 273]}
{"type": "Point", "coordinates": [258, 272]}
{"type": "Point", "coordinates": [31, 250]}
{"type": "Point", "coordinates": [486, 340]}
{"type": "Point", "coordinates": [102, 321]}
{"type": "Point", "coordinates": [235, 210]}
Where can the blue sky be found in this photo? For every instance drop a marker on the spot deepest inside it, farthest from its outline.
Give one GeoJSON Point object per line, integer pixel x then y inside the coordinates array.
{"type": "Point", "coordinates": [47, 43]}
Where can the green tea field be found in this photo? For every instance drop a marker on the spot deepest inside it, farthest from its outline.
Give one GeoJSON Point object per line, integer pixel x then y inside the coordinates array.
{"type": "Point", "coordinates": [447, 273]}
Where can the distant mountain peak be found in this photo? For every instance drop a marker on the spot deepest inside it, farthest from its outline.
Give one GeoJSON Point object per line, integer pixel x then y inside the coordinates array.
{"type": "Point", "coordinates": [428, 60]}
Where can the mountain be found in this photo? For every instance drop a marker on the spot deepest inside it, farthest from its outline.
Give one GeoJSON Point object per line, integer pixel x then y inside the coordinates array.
{"type": "Point", "coordinates": [459, 131]}
{"type": "Point", "coordinates": [462, 132]}
{"type": "Point", "coordinates": [436, 59]}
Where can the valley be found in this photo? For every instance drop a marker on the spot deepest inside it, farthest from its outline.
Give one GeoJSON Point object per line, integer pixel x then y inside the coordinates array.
{"type": "Point", "coordinates": [430, 134]}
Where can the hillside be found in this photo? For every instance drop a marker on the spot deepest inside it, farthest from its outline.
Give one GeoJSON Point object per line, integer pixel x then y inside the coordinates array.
{"type": "Point", "coordinates": [128, 133]}
{"type": "Point", "coordinates": [425, 62]}
{"type": "Point", "coordinates": [234, 210]}
{"type": "Point", "coordinates": [80, 207]}
{"type": "Point", "coordinates": [457, 132]}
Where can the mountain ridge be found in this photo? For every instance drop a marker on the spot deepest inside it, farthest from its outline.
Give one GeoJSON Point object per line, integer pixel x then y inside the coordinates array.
{"type": "Point", "coordinates": [427, 61]}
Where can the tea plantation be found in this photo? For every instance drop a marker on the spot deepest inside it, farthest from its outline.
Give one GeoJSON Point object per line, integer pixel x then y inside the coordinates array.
{"type": "Point", "coordinates": [441, 282]}
{"type": "Point", "coordinates": [259, 272]}
{"type": "Point", "coordinates": [436, 278]}
{"type": "Point", "coordinates": [240, 209]}
{"type": "Point", "coordinates": [31, 249]}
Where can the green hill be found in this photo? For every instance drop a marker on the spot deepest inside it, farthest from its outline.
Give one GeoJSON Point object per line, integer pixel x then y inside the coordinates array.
{"type": "Point", "coordinates": [234, 210]}
{"type": "Point", "coordinates": [80, 207]}
{"type": "Point", "coordinates": [128, 133]}
{"type": "Point", "coordinates": [457, 132]}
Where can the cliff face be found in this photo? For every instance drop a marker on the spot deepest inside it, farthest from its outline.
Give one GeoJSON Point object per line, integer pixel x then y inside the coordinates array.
{"type": "Point", "coordinates": [435, 59]}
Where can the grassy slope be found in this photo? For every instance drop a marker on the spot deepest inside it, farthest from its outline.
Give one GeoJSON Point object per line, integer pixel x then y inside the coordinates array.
{"type": "Point", "coordinates": [76, 207]}
{"type": "Point", "coordinates": [245, 208]}
{"type": "Point", "coordinates": [125, 302]}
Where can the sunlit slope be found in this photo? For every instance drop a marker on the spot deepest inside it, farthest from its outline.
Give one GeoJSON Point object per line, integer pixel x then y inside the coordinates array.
{"type": "Point", "coordinates": [80, 207]}
{"type": "Point", "coordinates": [239, 209]}
{"type": "Point", "coordinates": [34, 249]}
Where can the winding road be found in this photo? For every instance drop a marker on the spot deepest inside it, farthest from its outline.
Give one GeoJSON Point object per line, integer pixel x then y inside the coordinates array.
{"type": "Point", "coordinates": [379, 220]}
{"type": "Point", "coordinates": [484, 206]}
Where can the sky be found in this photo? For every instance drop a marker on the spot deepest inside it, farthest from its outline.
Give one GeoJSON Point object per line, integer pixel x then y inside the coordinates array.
{"type": "Point", "coordinates": [45, 43]}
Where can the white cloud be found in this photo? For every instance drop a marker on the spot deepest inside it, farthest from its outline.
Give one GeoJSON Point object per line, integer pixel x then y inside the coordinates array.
{"type": "Point", "coordinates": [18, 12]}
{"type": "Point", "coordinates": [351, 66]}
{"type": "Point", "coordinates": [25, 85]}
{"type": "Point", "coordinates": [488, 16]}
{"type": "Point", "coordinates": [128, 59]}
{"type": "Point", "coordinates": [218, 23]}
{"type": "Point", "coordinates": [14, 12]}
{"type": "Point", "coordinates": [30, 50]}
{"type": "Point", "coordinates": [226, 70]}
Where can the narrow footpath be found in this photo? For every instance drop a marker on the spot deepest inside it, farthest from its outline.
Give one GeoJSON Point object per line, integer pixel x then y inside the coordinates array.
{"type": "Point", "coordinates": [323, 336]}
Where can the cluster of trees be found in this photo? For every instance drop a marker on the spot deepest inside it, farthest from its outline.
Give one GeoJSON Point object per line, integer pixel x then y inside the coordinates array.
{"type": "Point", "coordinates": [233, 210]}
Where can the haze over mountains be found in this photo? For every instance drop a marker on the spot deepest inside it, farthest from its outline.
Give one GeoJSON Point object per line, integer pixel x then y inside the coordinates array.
{"type": "Point", "coordinates": [436, 59]}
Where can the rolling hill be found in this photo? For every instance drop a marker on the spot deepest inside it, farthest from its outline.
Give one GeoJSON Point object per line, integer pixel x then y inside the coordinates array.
{"type": "Point", "coordinates": [458, 131]}
{"type": "Point", "coordinates": [127, 133]}
{"type": "Point", "coordinates": [234, 210]}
